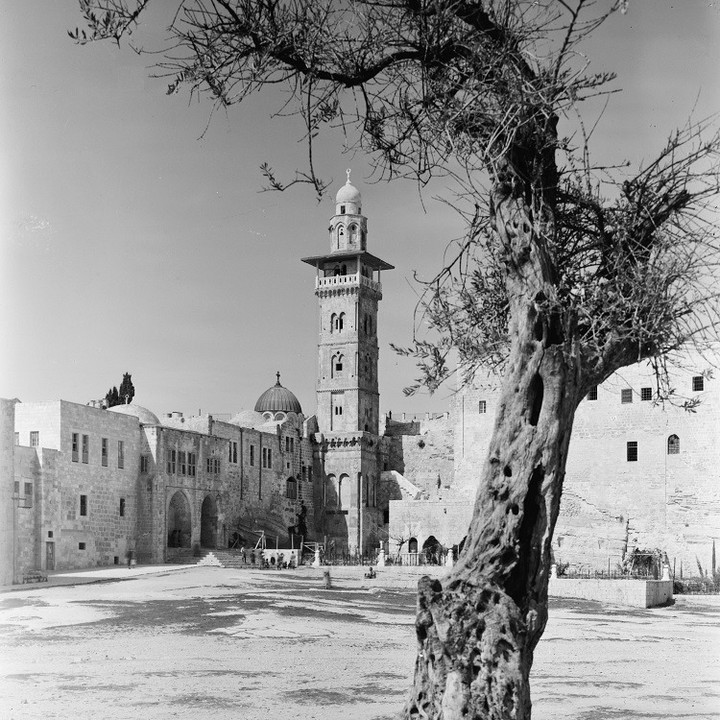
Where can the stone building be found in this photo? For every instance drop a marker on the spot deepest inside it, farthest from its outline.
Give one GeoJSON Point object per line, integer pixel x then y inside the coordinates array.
{"type": "Point", "coordinates": [81, 486]}
{"type": "Point", "coordinates": [640, 474]}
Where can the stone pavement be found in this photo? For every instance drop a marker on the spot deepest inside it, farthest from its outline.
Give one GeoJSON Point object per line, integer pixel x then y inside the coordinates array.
{"type": "Point", "coordinates": [207, 643]}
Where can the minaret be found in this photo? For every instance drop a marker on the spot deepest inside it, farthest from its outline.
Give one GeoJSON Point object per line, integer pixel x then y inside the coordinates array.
{"type": "Point", "coordinates": [348, 290]}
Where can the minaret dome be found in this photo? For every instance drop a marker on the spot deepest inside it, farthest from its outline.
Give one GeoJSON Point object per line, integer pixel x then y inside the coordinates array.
{"type": "Point", "coordinates": [348, 200]}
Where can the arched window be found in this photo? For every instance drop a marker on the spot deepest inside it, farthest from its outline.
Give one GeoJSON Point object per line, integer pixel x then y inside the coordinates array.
{"type": "Point", "coordinates": [338, 322]}
{"type": "Point", "coordinates": [330, 491]}
{"type": "Point", "coordinates": [333, 322]}
{"type": "Point", "coordinates": [344, 491]}
{"type": "Point", "coordinates": [673, 445]}
{"type": "Point", "coordinates": [353, 233]}
{"type": "Point", "coordinates": [340, 234]}
{"type": "Point", "coordinates": [291, 489]}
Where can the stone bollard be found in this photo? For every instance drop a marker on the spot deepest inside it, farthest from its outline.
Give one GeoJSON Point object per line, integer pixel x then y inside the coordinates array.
{"type": "Point", "coordinates": [316, 561]}
{"type": "Point", "coordinates": [381, 558]}
{"type": "Point", "coordinates": [326, 578]}
{"type": "Point", "coordinates": [553, 572]}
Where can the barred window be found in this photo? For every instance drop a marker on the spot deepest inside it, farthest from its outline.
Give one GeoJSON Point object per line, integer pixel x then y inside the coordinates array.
{"type": "Point", "coordinates": [482, 407]}
{"type": "Point", "coordinates": [632, 451]}
{"type": "Point", "coordinates": [646, 393]}
{"type": "Point", "coordinates": [121, 454]}
{"type": "Point", "coordinates": [626, 395]}
{"type": "Point", "coordinates": [85, 448]}
{"type": "Point", "coordinates": [144, 463]}
{"type": "Point", "coordinates": [673, 445]}
{"type": "Point", "coordinates": [34, 438]}
{"type": "Point", "coordinates": [171, 462]}
{"type": "Point", "coordinates": [104, 452]}
{"type": "Point", "coordinates": [83, 504]}
{"type": "Point", "coordinates": [75, 447]}
{"type": "Point", "coordinates": [182, 469]}
{"type": "Point", "coordinates": [592, 393]}
{"type": "Point", "coordinates": [698, 383]}
{"type": "Point", "coordinates": [192, 464]}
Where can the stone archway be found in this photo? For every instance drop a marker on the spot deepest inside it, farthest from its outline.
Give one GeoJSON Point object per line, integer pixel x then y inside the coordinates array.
{"type": "Point", "coordinates": [208, 523]}
{"type": "Point", "coordinates": [179, 521]}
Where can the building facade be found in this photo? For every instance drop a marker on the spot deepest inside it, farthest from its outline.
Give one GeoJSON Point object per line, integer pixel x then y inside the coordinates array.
{"type": "Point", "coordinates": [640, 473]}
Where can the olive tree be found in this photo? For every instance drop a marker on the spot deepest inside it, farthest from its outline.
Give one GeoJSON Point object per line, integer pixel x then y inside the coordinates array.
{"type": "Point", "coordinates": [569, 271]}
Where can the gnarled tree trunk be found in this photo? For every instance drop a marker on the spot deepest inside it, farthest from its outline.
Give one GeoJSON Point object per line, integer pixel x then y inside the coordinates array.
{"type": "Point", "coordinates": [477, 630]}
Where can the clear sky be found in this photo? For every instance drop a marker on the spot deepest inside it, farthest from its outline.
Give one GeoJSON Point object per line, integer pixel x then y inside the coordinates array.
{"type": "Point", "coordinates": [134, 238]}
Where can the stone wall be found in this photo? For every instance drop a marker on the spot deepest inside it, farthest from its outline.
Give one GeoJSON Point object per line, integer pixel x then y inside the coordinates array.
{"type": "Point", "coordinates": [85, 508]}
{"type": "Point", "coordinates": [7, 483]}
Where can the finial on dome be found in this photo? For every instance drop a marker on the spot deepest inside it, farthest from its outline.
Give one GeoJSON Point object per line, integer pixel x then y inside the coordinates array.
{"type": "Point", "coordinates": [278, 377]}
{"type": "Point", "coordinates": [347, 172]}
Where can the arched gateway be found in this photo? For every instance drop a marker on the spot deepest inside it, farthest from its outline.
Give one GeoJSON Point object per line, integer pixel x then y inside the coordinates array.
{"type": "Point", "coordinates": [179, 521]}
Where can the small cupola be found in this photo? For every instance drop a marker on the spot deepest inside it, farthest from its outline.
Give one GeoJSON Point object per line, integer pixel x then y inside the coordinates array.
{"type": "Point", "coordinates": [348, 200]}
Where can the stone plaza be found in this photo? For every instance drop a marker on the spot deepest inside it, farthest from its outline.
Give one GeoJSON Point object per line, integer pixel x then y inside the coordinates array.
{"type": "Point", "coordinates": [195, 642]}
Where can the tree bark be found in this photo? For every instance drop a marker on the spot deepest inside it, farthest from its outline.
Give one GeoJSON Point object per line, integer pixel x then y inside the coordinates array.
{"type": "Point", "coordinates": [478, 629]}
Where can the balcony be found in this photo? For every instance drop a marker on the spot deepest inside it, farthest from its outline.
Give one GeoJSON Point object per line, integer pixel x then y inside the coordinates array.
{"type": "Point", "coordinates": [339, 281]}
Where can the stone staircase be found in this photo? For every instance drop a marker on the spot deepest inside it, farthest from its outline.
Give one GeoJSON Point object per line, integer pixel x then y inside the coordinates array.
{"type": "Point", "coordinates": [218, 558]}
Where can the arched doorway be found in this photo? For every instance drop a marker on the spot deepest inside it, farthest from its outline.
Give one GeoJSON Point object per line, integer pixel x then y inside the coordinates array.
{"type": "Point", "coordinates": [178, 521]}
{"type": "Point", "coordinates": [433, 551]}
{"type": "Point", "coordinates": [208, 523]}
{"type": "Point", "coordinates": [412, 545]}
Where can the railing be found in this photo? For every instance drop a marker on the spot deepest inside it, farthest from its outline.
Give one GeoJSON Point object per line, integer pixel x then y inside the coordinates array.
{"type": "Point", "coordinates": [347, 281]}
{"type": "Point", "coordinates": [417, 558]}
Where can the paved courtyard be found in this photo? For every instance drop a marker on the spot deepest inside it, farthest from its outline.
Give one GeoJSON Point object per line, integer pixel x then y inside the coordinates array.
{"type": "Point", "coordinates": [204, 642]}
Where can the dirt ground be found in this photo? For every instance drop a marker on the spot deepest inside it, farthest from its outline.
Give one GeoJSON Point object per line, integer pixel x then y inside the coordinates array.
{"type": "Point", "coordinates": [205, 642]}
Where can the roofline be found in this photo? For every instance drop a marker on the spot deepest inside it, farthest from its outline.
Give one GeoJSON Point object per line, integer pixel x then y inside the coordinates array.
{"type": "Point", "coordinates": [368, 258]}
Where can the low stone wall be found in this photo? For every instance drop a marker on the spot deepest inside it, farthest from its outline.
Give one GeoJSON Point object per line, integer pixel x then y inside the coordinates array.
{"type": "Point", "coordinates": [635, 593]}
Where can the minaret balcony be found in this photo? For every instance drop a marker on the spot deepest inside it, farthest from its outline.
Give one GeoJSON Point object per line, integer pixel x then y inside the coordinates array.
{"type": "Point", "coordinates": [339, 281]}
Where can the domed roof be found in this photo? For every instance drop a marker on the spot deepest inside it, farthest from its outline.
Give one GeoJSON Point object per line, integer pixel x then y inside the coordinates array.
{"type": "Point", "coordinates": [348, 193]}
{"type": "Point", "coordinates": [278, 399]}
{"type": "Point", "coordinates": [142, 414]}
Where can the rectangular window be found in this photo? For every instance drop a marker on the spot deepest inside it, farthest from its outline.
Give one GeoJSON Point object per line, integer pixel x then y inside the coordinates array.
{"type": "Point", "coordinates": [208, 465]}
{"type": "Point", "coordinates": [85, 448]}
{"type": "Point", "coordinates": [171, 462]}
{"type": "Point", "coordinates": [646, 393]}
{"type": "Point", "coordinates": [104, 452]}
{"type": "Point", "coordinates": [122, 507]}
{"type": "Point", "coordinates": [34, 438]}
{"type": "Point", "coordinates": [632, 451]}
{"type": "Point", "coordinates": [287, 444]}
{"type": "Point", "coordinates": [698, 383]}
{"type": "Point", "coordinates": [626, 395]}
{"type": "Point", "coordinates": [592, 393]}
{"type": "Point", "coordinates": [83, 504]}
{"type": "Point", "coordinates": [192, 464]}
{"type": "Point", "coordinates": [28, 490]}
{"type": "Point", "coordinates": [216, 466]}
{"type": "Point", "coordinates": [482, 407]}
{"type": "Point", "coordinates": [266, 457]}
{"type": "Point", "coordinates": [182, 469]}
{"type": "Point", "coordinates": [252, 455]}
{"type": "Point", "coordinates": [75, 447]}
{"type": "Point", "coordinates": [232, 452]}
{"type": "Point", "coordinates": [81, 546]}
{"type": "Point", "coordinates": [143, 463]}
{"type": "Point", "coordinates": [16, 488]}
{"type": "Point", "coordinates": [121, 454]}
